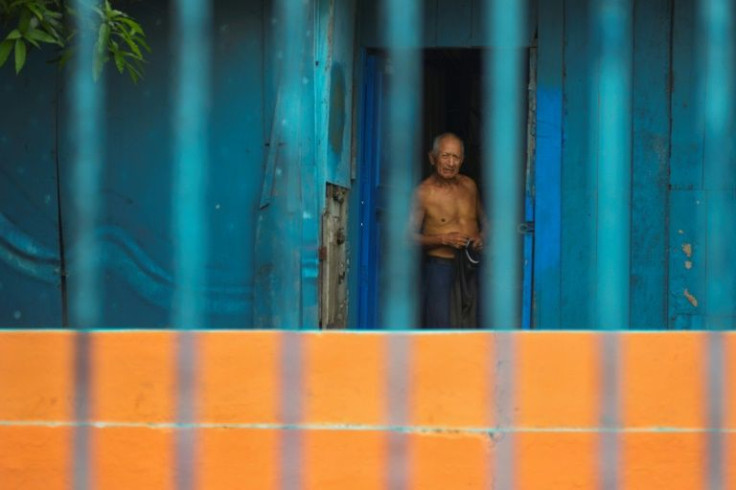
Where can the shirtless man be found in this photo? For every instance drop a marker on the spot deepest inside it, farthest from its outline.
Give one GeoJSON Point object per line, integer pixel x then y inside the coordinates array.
{"type": "Point", "coordinates": [448, 216]}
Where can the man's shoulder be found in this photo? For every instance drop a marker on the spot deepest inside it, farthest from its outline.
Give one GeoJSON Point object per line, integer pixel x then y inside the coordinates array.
{"type": "Point", "coordinates": [424, 186]}
{"type": "Point", "coordinates": [468, 182]}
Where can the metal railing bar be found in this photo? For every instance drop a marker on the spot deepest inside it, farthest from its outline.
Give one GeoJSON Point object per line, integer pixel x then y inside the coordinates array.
{"type": "Point", "coordinates": [87, 137]}
{"type": "Point", "coordinates": [190, 123]}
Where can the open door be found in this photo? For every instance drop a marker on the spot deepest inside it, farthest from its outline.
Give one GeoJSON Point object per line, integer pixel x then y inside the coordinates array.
{"type": "Point", "coordinates": [452, 102]}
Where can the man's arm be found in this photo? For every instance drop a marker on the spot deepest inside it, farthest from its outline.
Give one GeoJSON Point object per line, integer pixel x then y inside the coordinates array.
{"type": "Point", "coordinates": [479, 240]}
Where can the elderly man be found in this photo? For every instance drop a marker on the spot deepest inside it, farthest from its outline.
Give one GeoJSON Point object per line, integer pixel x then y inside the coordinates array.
{"type": "Point", "coordinates": [448, 218]}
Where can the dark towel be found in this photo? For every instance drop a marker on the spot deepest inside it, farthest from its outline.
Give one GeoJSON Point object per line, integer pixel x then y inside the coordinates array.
{"type": "Point", "coordinates": [464, 295]}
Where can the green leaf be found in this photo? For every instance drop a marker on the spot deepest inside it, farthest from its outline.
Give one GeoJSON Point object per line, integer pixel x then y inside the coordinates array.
{"type": "Point", "coordinates": [25, 20]}
{"type": "Point", "coordinates": [103, 37]}
{"type": "Point", "coordinates": [20, 55]}
{"type": "Point", "coordinates": [39, 35]}
{"type": "Point", "coordinates": [133, 46]}
{"type": "Point", "coordinates": [31, 40]}
{"type": "Point", "coordinates": [119, 61]}
{"type": "Point", "coordinates": [14, 34]}
{"type": "Point", "coordinates": [134, 26]}
{"type": "Point", "coordinates": [36, 10]}
{"type": "Point", "coordinates": [5, 48]}
{"type": "Point", "coordinates": [135, 75]}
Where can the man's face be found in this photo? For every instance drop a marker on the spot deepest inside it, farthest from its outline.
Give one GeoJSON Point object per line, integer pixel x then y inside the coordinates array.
{"type": "Point", "coordinates": [448, 159]}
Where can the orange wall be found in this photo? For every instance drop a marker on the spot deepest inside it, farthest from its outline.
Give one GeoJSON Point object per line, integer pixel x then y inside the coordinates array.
{"type": "Point", "coordinates": [365, 409]}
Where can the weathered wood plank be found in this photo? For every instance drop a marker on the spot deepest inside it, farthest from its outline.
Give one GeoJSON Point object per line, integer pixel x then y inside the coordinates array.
{"type": "Point", "coordinates": [650, 166]}
{"type": "Point", "coordinates": [578, 219]}
{"type": "Point", "coordinates": [686, 162]}
{"type": "Point", "coordinates": [454, 20]}
{"type": "Point", "coordinates": [548, 166]}
{"type": "Point", "coordinates": [687, 237]}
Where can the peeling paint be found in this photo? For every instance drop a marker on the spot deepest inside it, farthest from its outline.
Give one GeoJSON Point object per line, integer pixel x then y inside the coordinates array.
{"type": "Point", "coordinates": [688, 249]}
{"type": "Point", "coordinates": [688, 264]}
{"type": "Point", "coordinates": [692, 299]}
{"type": "Point", "coordinates": [680, 232]}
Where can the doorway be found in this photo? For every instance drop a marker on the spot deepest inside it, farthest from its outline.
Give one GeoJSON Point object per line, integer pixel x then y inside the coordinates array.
{"type": "Point", "coordinates": [452, 99]}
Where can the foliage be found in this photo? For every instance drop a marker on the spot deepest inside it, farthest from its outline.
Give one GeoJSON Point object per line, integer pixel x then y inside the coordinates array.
{"type": "Point", "coordinates": [33, 23]}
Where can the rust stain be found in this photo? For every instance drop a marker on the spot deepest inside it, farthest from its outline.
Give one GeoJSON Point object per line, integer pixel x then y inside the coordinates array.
{"type": "Point", "coordinates": [692, 299]}
{"type": "Point", "coordinates": [688, 249]}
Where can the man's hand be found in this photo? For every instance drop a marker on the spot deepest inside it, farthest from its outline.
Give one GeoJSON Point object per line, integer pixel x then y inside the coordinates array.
{"type": "Point", "coordinates": [454, 239]}
{"type": "Point", "coordinates": [477, 242]}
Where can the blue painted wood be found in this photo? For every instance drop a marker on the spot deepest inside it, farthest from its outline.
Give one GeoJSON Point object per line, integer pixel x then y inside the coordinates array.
{"type": "Point", "coordinates": [548, 166]}
{"type": "Point", "coordinates": [334, 68]}
{"type": "Point", "coordinates": [311, 184]}
{"type": "Point", "coordinates": [687, 302]}
{"type": "Point", "coordinates": [686, 161]}
{"type": "Point", "coordinates": [367, 301]}
{"type": "Point", "coordinates": [577, 250]}
{"type": "Point", "coordinates": [137, 235]}
{"type": "Point", "coordinates": [720, 255]}
{"type": "Point", "coordinates": [650, 163]}
{"type": "Point", "coordinates": [30, 259]}
{"type": "Point", "coordinates": [687, 202]}
{"type": "Point", "coordinates": [454, 21]}
{"type": "Point", "coordinates": [429, 23]}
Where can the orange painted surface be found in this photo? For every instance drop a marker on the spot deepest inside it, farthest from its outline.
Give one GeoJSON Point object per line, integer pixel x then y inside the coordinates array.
{"type": "Point", "coordinates": [134, 377]}
{"type": "Point", "coordinates": [560, 376]}
{"type": "Point", "coordinates": [347, 459]}
{"type": "Point", "coordinates": [345, 379]}
{"type": "Point", "coordinates": [238, 377]}
{"type": "Point", "coordinates": [238, 458]}
{"type": "Point", "coordinates": [664, 379]}
{"type": "Point", "coordinates": [730, 384]}
{"type": "Point", "coordinates": [35, 381]}
{"type": "Point", "coordinates": [133, 457]}
{"type": "Point", "coordinates": [556, 461]}
{"type": "Point", "coordinates": [675, 461]}
{"type": "Point", "coordinates": [441, 461]}
{"type": "Point", "coordinates": [35, 457]}
{"type": "Point", "coordinates": [445, 384]}
{"type": "Point", "coordinates": [451, 380]}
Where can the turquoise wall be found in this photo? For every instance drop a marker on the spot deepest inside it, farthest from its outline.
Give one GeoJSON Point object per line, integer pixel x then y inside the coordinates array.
{"type": "Point", "coordinates": [671, 232]}
{"type": "Point", "coordinates": [266, 180]}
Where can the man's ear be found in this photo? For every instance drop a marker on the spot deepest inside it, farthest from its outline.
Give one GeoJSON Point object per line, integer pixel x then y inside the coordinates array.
{"type": "Point", "coordinates": [430, 156]}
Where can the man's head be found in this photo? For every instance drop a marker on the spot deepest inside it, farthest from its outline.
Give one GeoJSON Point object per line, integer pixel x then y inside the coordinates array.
{"type": "Point", "coordinates": [447, 155]}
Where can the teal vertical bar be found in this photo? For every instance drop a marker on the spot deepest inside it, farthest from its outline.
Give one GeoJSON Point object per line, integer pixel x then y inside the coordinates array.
{"type": "Point", "coordinates": [85, 121]}
{"type": "Point", "coordinates": [612, 20]}
{"type": "Point", "coordinates": [295, 206]}
{"type": "Point", "coordinates": [716, 85]}
{"type": "Point", "coordinates": [398, 277]}
{"type": "Point", "coordinates": [504, 163]}
{"type": "Point", "coordinates": [504, 159]}
{"type": "Point", "coordinates": [190, 124]}
{"type": "Point", "coordinates": [716, 17]}
{"type": "Point", "coordinates": [399, 282]}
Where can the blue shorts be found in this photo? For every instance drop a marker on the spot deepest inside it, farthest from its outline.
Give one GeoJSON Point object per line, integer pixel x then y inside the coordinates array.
{"type": "Point", "coordinates": [437, 283]}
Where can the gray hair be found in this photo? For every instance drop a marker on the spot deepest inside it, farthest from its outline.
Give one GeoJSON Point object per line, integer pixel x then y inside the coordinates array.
{"type": "Point", "coordinates": [440, 137]}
